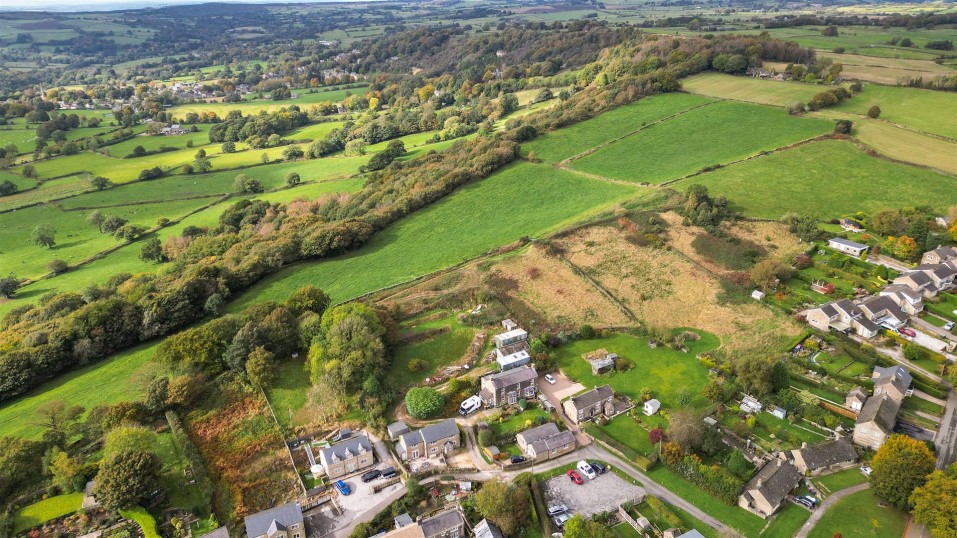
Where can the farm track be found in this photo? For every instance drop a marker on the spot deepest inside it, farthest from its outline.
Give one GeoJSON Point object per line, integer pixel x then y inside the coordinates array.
{"type": "Point", "coordinates": [601, 289]}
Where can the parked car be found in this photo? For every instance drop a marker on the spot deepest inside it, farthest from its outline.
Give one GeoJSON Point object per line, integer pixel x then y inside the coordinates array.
{"type": "Point", "coordinates": [343, 487]}
{"type": "Point", "coordinates": [585, 468]}
{"type": "Point", "coordinates": [813, 500]}
{"type": "Point", "coordinates": [803, 502]}
{"type": "Point", "coordinates": [389, 472]}
{"type": "Point", "coordinates": [518, 459]}
{"type": "Point", "coordinates": [598, 467]}
{"type": "Point", "coordinates": [550, 379]}
{"type": "Point", "coordinates": [344, 433]}
{"type": "Point", "coordinates": [470, 405]}
{"type": "Point", "coordinates": [949, 325]}
{"type": "Point", "coordinates": [561, 519]}
{"type": "Point", "coordinates": [908, 332]}
{"type": "Point", "coordinates": [556, 509]}
{"type": "Point", "coordinates": [371, 475]}
{"type": "Point", "coordinates": [574, 476]}
{"type": "Point", "coordinates": [866, 471]}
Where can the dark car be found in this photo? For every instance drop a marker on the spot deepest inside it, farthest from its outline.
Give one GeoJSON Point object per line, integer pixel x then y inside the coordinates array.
{"type": "Point", "coordinates": [371, 475]}
{"type": "Point", "coordinates": [598, 467]}
{"type": "Point", "coordinates": [518, 459]}
{"type": "Point", "coordinates": [388, 472]}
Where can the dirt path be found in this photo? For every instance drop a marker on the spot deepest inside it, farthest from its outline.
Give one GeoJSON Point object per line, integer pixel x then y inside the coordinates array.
{"type": "Point", "coordinates": [818, 512]}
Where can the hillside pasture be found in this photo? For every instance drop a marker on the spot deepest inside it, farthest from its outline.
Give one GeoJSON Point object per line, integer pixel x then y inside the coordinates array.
{"type": "Point", "coordinates": [522, 200]}
{"type": "Point", "coordinates": [303, 100]}
{"type": "Point", "coordinates": [923, 110]}
{"type": "Point", "coordinates": [886, 70]}
{"type": "Point", "coordinates": [567, 142]}
{"type": "Point", "coordinates": [716, 134]}
{"type": "Point", "coordinates": [826, 179]}
{"type": "Point", "coordinates": [752, 90]}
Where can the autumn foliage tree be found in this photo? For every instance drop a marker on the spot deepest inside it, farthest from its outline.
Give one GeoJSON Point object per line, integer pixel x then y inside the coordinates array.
{"type": "Point", "coordinates": [900, 466]}
{"type": "Point", "coordinates": [934, 503]}
{"type": "Point", "coordinates": [505, 505]}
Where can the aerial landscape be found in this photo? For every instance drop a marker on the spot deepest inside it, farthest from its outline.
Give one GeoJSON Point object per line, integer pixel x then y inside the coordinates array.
{"type": "Point", "coordinates": [490, 268]}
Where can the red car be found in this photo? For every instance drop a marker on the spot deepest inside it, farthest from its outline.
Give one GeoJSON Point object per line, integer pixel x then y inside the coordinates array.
{"type": "Point", "coordinates": [908, 332]}
{"type": "Point", "coordinates": [576, 478]}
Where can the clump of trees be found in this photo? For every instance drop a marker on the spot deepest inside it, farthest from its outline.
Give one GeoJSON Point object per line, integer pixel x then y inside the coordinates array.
{"type": "Point", "coordinates": [424, 402]}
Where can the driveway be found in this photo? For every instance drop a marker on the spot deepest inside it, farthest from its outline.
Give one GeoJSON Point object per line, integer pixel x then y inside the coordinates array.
{"type": "Point", "coordinates": [603, 494]}
{"type": "Point", "coordinates": [563, 388]}
{"type": "Point", "coordinates": [930, 342]}
{"type": "Point", "coordinates": [361, 505]}
{"type": "Point", "coordinates": [936, 331]}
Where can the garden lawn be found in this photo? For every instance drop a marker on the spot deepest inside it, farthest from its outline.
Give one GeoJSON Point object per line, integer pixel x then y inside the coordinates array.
{"type": "Point", "coordinates": [287, 395]}
{"type": "Point", "coordinates": [858, 515]}
{"type": "Point", "coordinates": [831, 483]}
{"type": "Point", "coordinates": [827, 179]}
{"type": "Point", "coordinates": [144, 519]}
{"type": "Point", "coordinates": [437, 352]}
{"type": "Point", "coordinates": [923, 110]}
{"type": "Point", "coordinates": [115, 379]}
{"type": "Point", "coordinates": [733, 516]}
{"type": "Point", "coordinates": [787, 521]}
{"type": "Point", "coordinates": [625, 530]}
{"type": "Point", "coordinates": [717, 134]}
{"type": "Point", "coordinates": [181, 494]}
{"type": "Point", "coordinates": [626, 431]}
{"type": "Point", "coordinates": [569, 141]}
{"type": "Point", "coordinates": [521, 200]}
{"type": "Point", "coordinates": [662, 369]}
{"type": "Point", "coordinates": [46, 510]}
{"type": "Point", "coordinates": [945, 307]}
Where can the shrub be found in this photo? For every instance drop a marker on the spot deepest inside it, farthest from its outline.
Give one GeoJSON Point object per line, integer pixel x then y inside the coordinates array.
{"type": "Point", "coordinates": [424, 402]}
{"type": "Point", "coordinates": [417, 365]}
{"type": "Point", "coordinates": [485, 438]}
{"type": "Point", "coordinates": [874, 112]}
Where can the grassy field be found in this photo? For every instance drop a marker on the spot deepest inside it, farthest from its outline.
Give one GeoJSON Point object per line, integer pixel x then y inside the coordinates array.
{"type": "Point", "coordinates": [826, 179]}
{"type": "Point", "coordinates": [663, 370]}
{"type": "Point", "coordinates": [121, 377]}
{"type": "Point", "coordinates": [303, 100]}
{"type": "Point", "coordinates": [558, 145]}
{"type": "Point", "coordinates": [523, 199]}
{"type": "Point", "coordinates": [858, 515]}
{"type": "Point", "coordinates": [924, 110]}
{"type": "Point", "coordinates": [886, 70]}
{"type": "Point", "coordinates": [749, 89]}
{"type": "Point", "coordinates": [833, 482]}
{"type": "Point", "coordinates": [437, 352]}
{"type": "Point", "coordinates": [715, 134]}
{"type": "Point", "coordinates": [155, 142]}
{"type": "Point", "coordinates": [46, 510]}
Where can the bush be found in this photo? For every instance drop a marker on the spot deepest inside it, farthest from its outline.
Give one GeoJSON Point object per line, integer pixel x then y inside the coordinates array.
{"type": "Point", "coordinates": [417, 365]}
{"type": "Point", "coordinates": [874, 112]}
{"type": "Point", "coordinates": [586, 331]}
{"type": "Point", "coordinates": [424, 402]}
{"type": "Point", "coordinates": [486, 438]}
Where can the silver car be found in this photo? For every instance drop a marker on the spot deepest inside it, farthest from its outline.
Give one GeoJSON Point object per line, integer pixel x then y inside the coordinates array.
{"type": "Point", "coordinates": [561, 519]}
{"type": "Point", "coordinates": [556, 509]}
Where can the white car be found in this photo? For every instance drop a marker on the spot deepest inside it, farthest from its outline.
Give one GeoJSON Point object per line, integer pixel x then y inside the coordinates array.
{"type": "Point", "coordinates": [550, 379]}
{"type": "Point", "coordinates": [866, 471]}
{"type": "Point", "coordinates": [949, 325]}
{"type": "Point", "coordinates": [585, 468]}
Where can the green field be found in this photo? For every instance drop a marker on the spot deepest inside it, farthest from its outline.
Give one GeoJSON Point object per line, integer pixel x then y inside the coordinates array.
{"type": "Point", "coordinates": [752, 90]}
{"type": "Point", "coordinates": [303, 100]}
{"type": "Point", "coordinates": [858, 515]}
{"type": "Point", "coordinates": [661, 369]}
{"type": "Point", "coordinates": [46, 510]}
{"type": "Point", "coordinates": [826, 179]}
{"type": "Point", "coordinates": [523, 199]}
{"type": "Point", "coordinates": [567, 142]}
{"type": "Point", "coordinates": [437, 351]}
{"type": "Point", "coordinates": [924, 110]}
{"type": "Point", "coordinates": [831, 483]}
{"type": "Point", "coordinates": [155, 142]}
{"type": "Point", "coordinates": [716, 134]}
{"type": "Point", "coordinates": [121, 377]}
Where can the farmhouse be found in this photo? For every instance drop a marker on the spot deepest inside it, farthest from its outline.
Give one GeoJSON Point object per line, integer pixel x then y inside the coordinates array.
{"type": "Point", "coordinates": [876, 421]}
{"type": "Point", "coordinates": [347, 457]}
{"type": "Point", "coordinates": [855, 399]}
{"type": "Point", "coordinates": [939, 255]}
{"type": "Point", "coordinates": [824, 457]}
{"type": "Point", "coordinates": [284, 521]}
{"type": "Point", "coordinates": [843, 316]}
{"type": "Point", "coordinates": [766, 492]}
{"type": "Point", "coordinates": [588, 405]}
{"type": "Point", "coordinates": [601, 361]}
{"type": "Point", "coordinates": [508, 387]}
{"type": "Point", "coordinates": [430, 441]}
{"type": "Point", "coordinates": [847, 247]}
{"type": "Point", "coordinates": [174, 129]}
{"type": "Point", "coordinates": [651, 407]}
{"type": "Point", "coordinates": [545, 441]}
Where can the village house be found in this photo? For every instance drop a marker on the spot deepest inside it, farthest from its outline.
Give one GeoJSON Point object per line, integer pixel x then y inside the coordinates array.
{"type": "Point", "coordinates": [905, 298]}
{"type": "Point", "coordinates": [431, 441]}
{"type": "Point", "coordinates": [843, 316]}
{"type": "Point", "coordinates": [447, 524]}
{"type": "Point", "coordinates": [766, 492]}
{"type": "Point", "coordinates": [855, 399]}
{"type": "Point", "coordinates": [883, 312]}
{"type": "Point", "coordinates": [894, 381]}
{"type": "Point", "coordinates": [876, 421]}
{"type": "Point", "coordinates": [347, 457]}
{"type": "Point", "coordinates": [824, 457]}
{"type": "Point", "coordinates": [941, 274]}
{"type": "Point", "coordinates": [918, 281]}
{"type": "Point", "coordinates": [850, 248]}
{"type": "Point", "coordinates": [588, 405]}
{"type": "Point", "coordinates": [939, 255]}
{"type": "Point", "coordinates": [851, 225]}
{"type": "Point", "coordinates": [545, 441]}
{"type": "Point", "coordinates": [284, 521]}
{"type": "Point", "coordinates": [508, 387]}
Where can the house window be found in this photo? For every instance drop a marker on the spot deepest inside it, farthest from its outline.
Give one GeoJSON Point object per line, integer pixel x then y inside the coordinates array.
{"type": "Point", "coordinates": [529, 392]}
{"type": "Point", "coordinates": [432, 450]}
{"type": "Point", "coordinates": [350, 467]}
{"type": "Point", "coordinates": [512, 397]}
{"type": "Point", "coordinates": [294, 526]}
{"type": "Point", "coordinates": [415, 454]}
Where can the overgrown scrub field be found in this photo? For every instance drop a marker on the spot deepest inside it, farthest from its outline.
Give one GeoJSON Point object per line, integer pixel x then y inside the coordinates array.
{"type": "Point", "coordinates": [752, 90]}
{"type": "Point", "coordinates": [716, 134]}
{"type": "Point", "coordinates": [567, 142]}
{"type": "Point", "coordinates": [924, 110]}
{"type": "Point", "coordinates": [826, 179]}
{"type": "Point", "coordinates": [663, 370]}
{"type": "Point", "coordinates": [859, 515]}
{"type": "Point", "coordinates": [303, 100]}
{"type": "Point", "coordinates": [121, 377]}
{"type": "Point", "coordinates": [522, 200]}
{"type": "Point", "coordinates": [665, 290]}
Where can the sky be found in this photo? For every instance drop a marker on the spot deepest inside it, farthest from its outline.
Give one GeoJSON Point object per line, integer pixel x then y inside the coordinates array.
{"type": "Point", "coordinates": [105, 5]}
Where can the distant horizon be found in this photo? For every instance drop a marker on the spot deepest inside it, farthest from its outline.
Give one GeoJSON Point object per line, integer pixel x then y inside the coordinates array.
{"type": "Point", "coordinates": [78, 6]}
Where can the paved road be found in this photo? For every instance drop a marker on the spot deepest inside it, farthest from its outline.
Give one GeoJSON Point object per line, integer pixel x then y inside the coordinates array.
{"type": "Point", "coordinates": [898, 355]}
{"type": "Point", "coordinates": [936, 331]}
{"type": "Point", "coordinates": [946, 439]}
{"type": "Point", "coordinates": [818, 512]}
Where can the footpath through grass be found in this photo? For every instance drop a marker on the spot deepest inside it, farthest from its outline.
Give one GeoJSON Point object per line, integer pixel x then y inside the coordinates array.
{"type": "Point", "coordinates": [522, 200]}
{"type": "Point", "coordinates": [716, 134]}
{"type": "Point", "coordinates": [46, 510]}
{"type": "Point", "coordinates": [859, 515]}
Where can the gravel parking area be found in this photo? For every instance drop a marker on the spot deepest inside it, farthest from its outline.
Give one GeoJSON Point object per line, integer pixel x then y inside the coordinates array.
{"type": "Point", "coordinates": [602, 494]}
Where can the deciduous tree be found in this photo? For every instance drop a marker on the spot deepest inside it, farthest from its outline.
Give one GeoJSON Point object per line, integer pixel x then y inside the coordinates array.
{"type": "Point", "coordinates": [424, 402]}
{"type": "Point", "coordinates": [127, 478]}
{"type": "Point", "coordinates": [44, 235]}
{"type": "Point", "coordinates": [505, 505]}
{"type": "Point", "coordinates": [900, 466]}
{"type": "Point", "coordinates": [935, 503]}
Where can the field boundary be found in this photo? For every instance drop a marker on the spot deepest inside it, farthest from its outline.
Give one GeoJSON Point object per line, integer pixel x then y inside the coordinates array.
{"type": "Point", "coordinates": [601, 289]}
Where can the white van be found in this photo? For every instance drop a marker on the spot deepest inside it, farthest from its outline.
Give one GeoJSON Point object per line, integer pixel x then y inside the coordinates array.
{"type": "Point", "coordinates": [470, 405]}
{"type": "Point", "coordinates": [585, 468]}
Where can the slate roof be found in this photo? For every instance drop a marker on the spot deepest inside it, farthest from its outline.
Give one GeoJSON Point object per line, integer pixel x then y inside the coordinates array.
{"type": "Point", "coordinates": [345, 450]}
{"type": "Point", "coordinates": [284, 514]}
{"type": "Point", "coordinates": [827, 454]}
{"type": "Point", "coordinates": [439, 523]}
{"type": "Point", "coordinates": [829, 310]}
{"type": "Point", "coordinates": [485, 529]}
{"type": "Point", "coordinates": [430, 433]}
{"type": "Point", "coordinates": [882, 410]}
{"type": "Point", "coordinates": [403, 520]}
{"type": "Point", "coordinates": [775, 480]}
{"type": "Point", "coordinates": [397, 428]}
{"type": "Point", "coordinates": [876, 305]}
{"type": "Point", "coordinates": [539, 432]}
{"type": "Point", "coordinates": [918, 278]}
{"type": "Point", "coordinates": [894, 375]}
{"type": "Point", "coordinates": [848, 307]}
{"type": "Point", "coordinates": [857, 393]}
{"type": "Point", "coordinates": [512, 377]}
{"type": "Point", "coordinates": [558, 440]}
{"type": "Point", "coordinates": [592, 397]}
{"type": "Point", "coordinates": [221, 532]}
{"type": "Point", "coordinates": [847, 243]}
